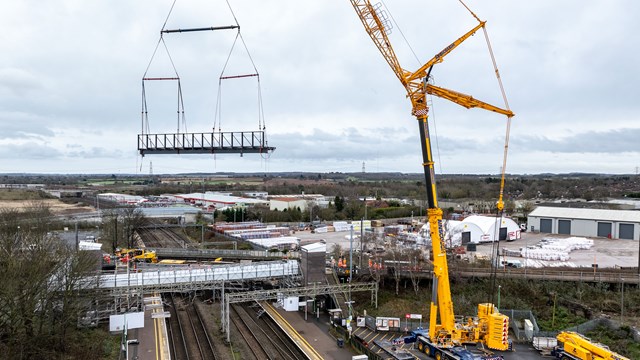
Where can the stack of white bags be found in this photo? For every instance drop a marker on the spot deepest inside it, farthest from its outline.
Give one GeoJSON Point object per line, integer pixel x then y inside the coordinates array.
{"type": "Point", "coordinates": [556, 249]}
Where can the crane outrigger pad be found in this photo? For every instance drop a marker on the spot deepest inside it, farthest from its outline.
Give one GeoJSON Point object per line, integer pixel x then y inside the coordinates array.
{"type": "Point", "coordinates": [250, 142]}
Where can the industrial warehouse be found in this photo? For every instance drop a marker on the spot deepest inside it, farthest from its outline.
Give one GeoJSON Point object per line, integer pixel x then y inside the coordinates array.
{"type": "Point", "coordinates": [613, 224]}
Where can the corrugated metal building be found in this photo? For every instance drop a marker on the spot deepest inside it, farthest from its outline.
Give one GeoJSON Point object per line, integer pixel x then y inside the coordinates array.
{"type": "Point", "coordinates": [615, 224]}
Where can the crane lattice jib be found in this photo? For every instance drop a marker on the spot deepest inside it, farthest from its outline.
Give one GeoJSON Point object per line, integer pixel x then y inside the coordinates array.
{"type": "Point", "coordinates": [378, 33]}
{"type": "Point", "coordinates": [464, 100]}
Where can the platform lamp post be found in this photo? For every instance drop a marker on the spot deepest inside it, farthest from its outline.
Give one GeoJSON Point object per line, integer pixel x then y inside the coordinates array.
{"type": "Point", "coordinates": [499, 287]}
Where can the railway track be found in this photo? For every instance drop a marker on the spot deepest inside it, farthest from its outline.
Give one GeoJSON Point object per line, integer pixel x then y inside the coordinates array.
{"type": "Point", "coordinates": [263, 337]}
{"type": "Point", "coordinates": [188, 336]}
{"type": "Point", "coordinates": [161, 237]}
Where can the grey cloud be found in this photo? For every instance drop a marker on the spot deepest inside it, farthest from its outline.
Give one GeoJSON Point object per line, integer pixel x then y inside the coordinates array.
{"type": "Point", "coordinates": [94, 152]}
{"type": "Point", "coordinates": [347, 144]}
{"type": "Point", "coordinates": [610, 141]}
{"type": "Point", "coordinates": [19, 125]}
{"type": "Point", "coordinates": [17, 82]}
{"type": "Point", "coordinates": [29, 151]}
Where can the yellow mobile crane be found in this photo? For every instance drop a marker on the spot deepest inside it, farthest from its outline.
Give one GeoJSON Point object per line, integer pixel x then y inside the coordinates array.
{"type": "Point", "coordinates": [577, 347]}
{"type": "Point", "coordinates": [445, 337]}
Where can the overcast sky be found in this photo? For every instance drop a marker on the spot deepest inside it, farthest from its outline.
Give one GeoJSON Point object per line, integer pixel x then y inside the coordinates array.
{"type": "Point", "coordinates": [71, 83]}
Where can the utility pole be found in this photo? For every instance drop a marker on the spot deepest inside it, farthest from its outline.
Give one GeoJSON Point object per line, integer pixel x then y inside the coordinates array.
{"type": "Point", "coordinates": [115, 233]}
{"type": "Point", "coordinates": [361, 239]}
{"type": "Point", "coordinates": [622, 302]}
{"type": "Point", "coordinates": [77, 242]}
{"type": "Point", "coordinates": [350, 267]}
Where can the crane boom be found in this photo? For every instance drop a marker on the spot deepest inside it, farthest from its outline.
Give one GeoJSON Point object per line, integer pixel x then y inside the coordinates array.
{"type": "Point", "coordinates": [464, 100]}
{"type": "Point", "coordinates": [577, 346]}
{"type": "Point", "coordinates": [492, 330]}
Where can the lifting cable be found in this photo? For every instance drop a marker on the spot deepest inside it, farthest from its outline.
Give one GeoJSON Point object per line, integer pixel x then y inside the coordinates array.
{"type": "Point", "coordinates": [495, 249]}
{"type": "Point", "coordinates": [218, 112]}
{"type": "Point", "coordinates": [180, 111]}
{"type": "Point", "coordinates": [499, 212]}
{"type": "Point", "coordinates": [430, 98]}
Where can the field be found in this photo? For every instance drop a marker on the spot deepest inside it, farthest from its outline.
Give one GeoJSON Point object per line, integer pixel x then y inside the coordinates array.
{"type": "Point", "coordinates": [56, 206]}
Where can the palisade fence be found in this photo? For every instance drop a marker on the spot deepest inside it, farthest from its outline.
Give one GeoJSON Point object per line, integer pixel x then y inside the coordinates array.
{"type": "Point", "coordinates": [601, 322]}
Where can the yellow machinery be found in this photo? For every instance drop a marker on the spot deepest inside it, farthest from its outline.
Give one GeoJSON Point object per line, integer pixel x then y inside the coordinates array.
{"type": "Point", "coordinates": [577, 347]}
{"type": "Point", "coordinates": [137, 255]}
{"type": "Point", "coordinates": [490, 327]}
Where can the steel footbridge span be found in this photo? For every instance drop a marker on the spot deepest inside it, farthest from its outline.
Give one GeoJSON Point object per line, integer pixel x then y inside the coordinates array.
{"type": "Point", "coordinates": [193, 277]}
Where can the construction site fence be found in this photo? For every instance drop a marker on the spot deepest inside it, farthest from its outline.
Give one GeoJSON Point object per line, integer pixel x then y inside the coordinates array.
{"type": "Point", "coordinates": [357, 344]}
{"type": "Point", "coordinates": [517, 317]}
{"type": "Point", "coordinates": [601, 322]}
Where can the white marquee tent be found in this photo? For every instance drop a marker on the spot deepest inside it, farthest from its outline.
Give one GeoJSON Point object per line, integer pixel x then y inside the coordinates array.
{"type": "Point", "coordinates": [485, 229]}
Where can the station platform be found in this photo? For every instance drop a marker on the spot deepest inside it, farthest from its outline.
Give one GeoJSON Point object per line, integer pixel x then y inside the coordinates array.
{"type": "Point", "coordinates": [313, 333]}
{"type": "Point", "coordinates": [152, 338]}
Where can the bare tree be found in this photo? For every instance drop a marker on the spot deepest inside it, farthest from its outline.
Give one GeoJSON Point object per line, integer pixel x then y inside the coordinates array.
{"type": "Point", "coordinates": [375, 262]}
{"type": "Point", "coordinates": [119, 226]}
{"type": "Point", "coordinates": [414, 258]}
{"type": "Point", "coordinates": [39, 305]}
{"type": "Point", "coordinates": [395, 270]}
{"type": "Point", "coordinates": [132, 219]}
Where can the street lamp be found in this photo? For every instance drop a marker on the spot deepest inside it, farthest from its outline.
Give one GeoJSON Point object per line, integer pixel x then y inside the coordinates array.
{"type": "Point", "coordinates": [499, 287]}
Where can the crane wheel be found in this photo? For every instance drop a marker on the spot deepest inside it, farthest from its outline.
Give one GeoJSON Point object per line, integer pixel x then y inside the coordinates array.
{"type": "Point", "coordinates": [439, 356]}
{"type": "Point", "coordinates": [421, 347]}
